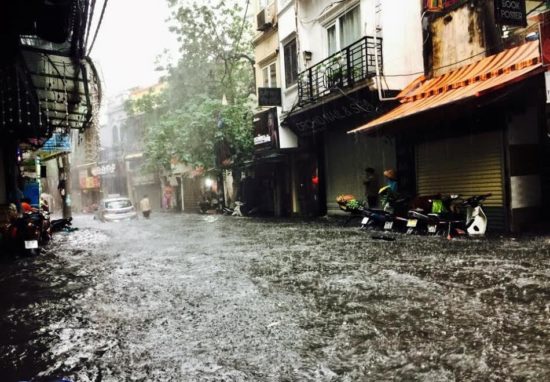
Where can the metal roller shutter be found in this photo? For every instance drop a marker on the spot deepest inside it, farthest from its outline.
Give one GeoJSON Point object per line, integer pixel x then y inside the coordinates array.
{"type": "Point", "coordinates": [467, 166]}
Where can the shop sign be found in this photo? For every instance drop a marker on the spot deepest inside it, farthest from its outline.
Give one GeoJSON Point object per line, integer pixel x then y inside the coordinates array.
{"type": "Point", "coordinates": [104, 169]}
{"type": "Point", "coordinates": [144, 179]}
{"type": "Point", "coordinates": [332, 115]}
{"type": "Point", "coordinates": [57, 143]}
{"type": "Point", "coordinates": [89, 182]}
{"type": "Point", "coordinates": [266, 130]}
{"type": "Point", "coordinates": [92, 182]}
{"type": "Point", "coordinates": [269, 97]}
{"type": "Point", "coordinates": [511, 12]}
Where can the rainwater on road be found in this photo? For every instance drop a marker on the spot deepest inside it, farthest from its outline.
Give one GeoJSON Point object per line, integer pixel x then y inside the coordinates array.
{"type": "Point", "coordinates": [216, 298]}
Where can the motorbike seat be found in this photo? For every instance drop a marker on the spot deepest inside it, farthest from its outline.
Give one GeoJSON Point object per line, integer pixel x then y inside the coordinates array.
{"type": "Point", "coordinates": [417, 215]}
{"type": "Point", "coordinates": [377, 211]}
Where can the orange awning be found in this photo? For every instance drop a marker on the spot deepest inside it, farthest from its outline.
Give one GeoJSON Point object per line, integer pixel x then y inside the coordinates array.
{"type": "Point", "coordinates": [473, 80]}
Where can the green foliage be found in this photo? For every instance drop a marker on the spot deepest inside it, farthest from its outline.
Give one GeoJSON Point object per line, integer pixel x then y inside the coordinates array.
{"type": "Point", "coordinates": [187, 120]}
{"type": "Point", "coordinates": [354, 205]}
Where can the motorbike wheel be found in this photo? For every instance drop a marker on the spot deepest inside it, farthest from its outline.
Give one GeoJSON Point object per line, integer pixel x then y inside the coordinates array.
{"type": "Point", "coordinates": [46, 237]}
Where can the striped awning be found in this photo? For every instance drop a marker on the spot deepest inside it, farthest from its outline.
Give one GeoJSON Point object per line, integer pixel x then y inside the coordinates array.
{"type": "Point", "coordinates": [470, 81]}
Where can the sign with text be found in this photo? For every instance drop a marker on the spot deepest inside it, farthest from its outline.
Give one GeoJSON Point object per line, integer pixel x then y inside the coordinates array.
{"type": "Point", "coordinates": [266, 130]}
{"type": "Point", "coordinates": [269, 97]}
{"type": "Point", "coordinates": [511, 12]}
{"type": "Point", "coordinates": [58, 143]}
{"type": "Point", "coordinates": [104, 169]}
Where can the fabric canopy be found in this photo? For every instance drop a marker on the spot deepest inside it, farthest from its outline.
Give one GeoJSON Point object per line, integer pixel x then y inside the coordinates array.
{"type": "Point", "coordinates": [470, 81]}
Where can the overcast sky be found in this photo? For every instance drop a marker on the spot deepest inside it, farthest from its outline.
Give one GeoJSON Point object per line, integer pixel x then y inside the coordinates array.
{"type": "Point", "coordinates": [133, 34]}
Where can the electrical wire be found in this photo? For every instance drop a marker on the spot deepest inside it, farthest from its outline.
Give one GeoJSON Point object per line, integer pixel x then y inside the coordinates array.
{"type": "Point", "coordinates": [243, 24]}
{"type": "Point", "coordinates": [98, 26]}
{"type": "Point", "coordinates": [322, 12]}
{"type": "Point", "coordinates": [90, 20]}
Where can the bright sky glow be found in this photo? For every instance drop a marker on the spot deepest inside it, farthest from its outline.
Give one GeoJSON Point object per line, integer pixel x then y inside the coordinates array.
{"type": "Point", "coordinates": [133, 34]}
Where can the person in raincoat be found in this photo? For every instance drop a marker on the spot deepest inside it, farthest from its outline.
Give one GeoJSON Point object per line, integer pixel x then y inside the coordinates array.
{"type": "Point", "coordinates": [390, 176]}
{"type": "Point", "coordinates": [388, 193]}
{"type": "Point", "coordinates": [145, 207]}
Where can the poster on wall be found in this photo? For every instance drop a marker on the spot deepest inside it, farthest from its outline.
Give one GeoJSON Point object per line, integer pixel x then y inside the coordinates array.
{"type": "Point", "coordinates": [266, 130]}
{"type": "Point", "coordinates": [511, 12]}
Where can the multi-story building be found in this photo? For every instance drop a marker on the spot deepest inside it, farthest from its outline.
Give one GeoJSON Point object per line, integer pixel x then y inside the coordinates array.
{"type": "Point", "coordinates": [326, 57]}
{"type": "Point", "coordinates": [270, 185]}
{"type": "Point", "coordinates": [476, 120]}
{"type": "Point", "coordinates": [111, 166]}
{"type": "Point", "coordinates": [140, 180]}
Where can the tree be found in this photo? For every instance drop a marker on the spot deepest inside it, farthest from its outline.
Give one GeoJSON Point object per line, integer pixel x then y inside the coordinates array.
{"type": "Point", "coordinates": [189, 122]}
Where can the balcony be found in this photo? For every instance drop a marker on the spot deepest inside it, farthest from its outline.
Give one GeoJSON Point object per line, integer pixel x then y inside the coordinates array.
{"type": "Point", "coordinates": [344, 69]}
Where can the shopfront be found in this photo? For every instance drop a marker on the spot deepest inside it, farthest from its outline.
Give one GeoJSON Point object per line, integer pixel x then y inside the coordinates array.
{"type": "Point", "coordinates": [268, 179]}
{"type": "Point", "coordinates": [474, 131]}
{"type": "Point", "coordinates": [335, 159]}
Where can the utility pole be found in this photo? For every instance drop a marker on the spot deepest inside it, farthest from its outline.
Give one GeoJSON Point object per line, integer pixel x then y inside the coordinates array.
{"type": "Point", "coordinates": [64, 186]}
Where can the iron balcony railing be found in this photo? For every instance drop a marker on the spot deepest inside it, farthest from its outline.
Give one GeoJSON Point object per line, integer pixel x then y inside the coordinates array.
{"type": "Point", "coordinates": [353, 64]}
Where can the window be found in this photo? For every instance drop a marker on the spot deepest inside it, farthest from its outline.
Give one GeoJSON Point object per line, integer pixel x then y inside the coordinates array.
{"type": "Point", "coordinates": [350, 27]}
{"type": "Point", "coordinates": [345, 31]}
{"type": "Point", "coordinates": [269, 76]}
{"type": "Point", "coordinates": [291, 63]}
{"type": "Point", "coordinates": [332, 44]}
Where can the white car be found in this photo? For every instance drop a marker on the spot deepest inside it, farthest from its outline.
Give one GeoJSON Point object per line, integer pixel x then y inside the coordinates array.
{"type": "Point", "coordinates": [116, 209]}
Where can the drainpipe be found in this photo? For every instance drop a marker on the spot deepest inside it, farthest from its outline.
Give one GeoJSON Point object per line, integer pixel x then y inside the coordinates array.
{"type": "Point", "coordinates": [376, 59]}
{"type": "Point", "coordinates": [296, 18]}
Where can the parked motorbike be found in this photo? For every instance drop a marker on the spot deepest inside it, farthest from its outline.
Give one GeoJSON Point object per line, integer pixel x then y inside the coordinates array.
{"type": "Point", "coordinates": [59, 225]}
{"type": "Point", "coordinates": [475, 221]}
{"type": "Point", "coordinates": [456, 217]}
{"type": "Point", "coordinates": [25, 234]}
{"type": "Point", "coordinates": [240, 209]}
{"type": "Point", "coordinates": [211, 202]}
{"type": "Point", "coordinates": [392, 215]}
{"type": "Point", "coordinates": [432, 214]}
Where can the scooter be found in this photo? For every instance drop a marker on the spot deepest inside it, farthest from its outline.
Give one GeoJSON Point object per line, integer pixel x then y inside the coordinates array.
{"type": "Point", "coordinates": [471, 220]}
{"type": "Point", "coordinates": [475, 222]}
{"type": "Point", "coordinates": [59, 225]}
{"type": "Point", "coordinates": [391, 217]}
{"type": "Point", "coordinates": [432, 214]}
{"type": "Point", "coordinates": [25, 234]}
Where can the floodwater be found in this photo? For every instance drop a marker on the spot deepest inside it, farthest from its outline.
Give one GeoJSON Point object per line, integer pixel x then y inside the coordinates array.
{"type": "Point", "coordinates": [216, 298]}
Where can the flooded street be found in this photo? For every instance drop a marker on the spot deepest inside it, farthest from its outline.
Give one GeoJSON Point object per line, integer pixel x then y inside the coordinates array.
{"type": "Point", "coordinates": [216, 298]}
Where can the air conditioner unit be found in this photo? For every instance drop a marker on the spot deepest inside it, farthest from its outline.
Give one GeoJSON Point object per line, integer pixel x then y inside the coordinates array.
{"type": "Point", "coordinates": [264, 20]}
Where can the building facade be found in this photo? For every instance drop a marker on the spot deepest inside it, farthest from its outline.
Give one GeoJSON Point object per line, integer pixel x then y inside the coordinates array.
{"type": "Point", "coordinates": [475, 122]}
{"type": "Point", "coordinates": [326, 57]}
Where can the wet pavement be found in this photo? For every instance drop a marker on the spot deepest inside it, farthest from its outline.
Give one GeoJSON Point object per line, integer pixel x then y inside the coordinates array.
{"type": "Point", "coordinates": [215, 298]}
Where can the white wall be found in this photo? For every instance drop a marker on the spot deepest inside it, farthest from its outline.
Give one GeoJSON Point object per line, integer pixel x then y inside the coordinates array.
{"type": "Point", "coordinates": [401, 32]}
{"type": "Point", "coordinates": [402, 36]}
{"type": "Point", "coordinates": [115, 117]}
{"type": "Point", "coordinates": [287, 30]}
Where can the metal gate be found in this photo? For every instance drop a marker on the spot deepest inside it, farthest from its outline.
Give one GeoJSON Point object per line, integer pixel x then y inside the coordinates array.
{"type": "Point", "coordinates": [468, 165]}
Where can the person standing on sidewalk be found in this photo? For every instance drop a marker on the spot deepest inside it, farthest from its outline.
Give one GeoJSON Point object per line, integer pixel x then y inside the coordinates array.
{"type": "Point", "coordinates": [371, 187]}
{"type": "Point", "coordinates": [145, 207]}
